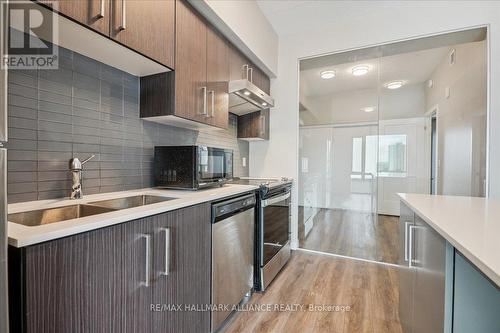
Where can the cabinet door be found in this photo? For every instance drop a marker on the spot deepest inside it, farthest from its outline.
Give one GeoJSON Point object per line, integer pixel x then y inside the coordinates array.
{"type": "Point", "coordinates": [93, 13]}
{"type": "Point", "coordinates": [182, 274]}
{"type": "Point", "coordinates": [137, 275]}
{"type": "Point", "coordinates": [145, 26]}
{"type": "Point", "coordinates": [237, 65]}
{"type": "Point", "coordinates": [73, 284]}
{"type": "Point", "coordinates": [191, 90]}
{"type": "Point", "coordinates": [217, 78]}
{"type": "Point", "coordinates": [254, 126]}
{"type": "Point", "coordinates": [430, 263]}
{"type": "Point", "coordinates": [406, 273]}
{"type": "Point", "coordinates": [260, 79]}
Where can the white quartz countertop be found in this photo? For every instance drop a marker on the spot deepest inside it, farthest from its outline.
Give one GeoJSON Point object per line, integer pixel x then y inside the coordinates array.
{"type": "Point", "coordinates": [20, 235]}
{"type": "Point", "coordinates": [471, 225]}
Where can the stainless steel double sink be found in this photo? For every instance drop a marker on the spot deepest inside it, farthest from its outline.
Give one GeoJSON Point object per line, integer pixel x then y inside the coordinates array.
{"type": "Point", "coordinates": [58, 214]}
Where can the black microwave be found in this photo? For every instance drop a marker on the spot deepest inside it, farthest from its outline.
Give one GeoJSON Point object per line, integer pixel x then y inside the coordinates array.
{"type": "Point", "coordinates": [192, 167]}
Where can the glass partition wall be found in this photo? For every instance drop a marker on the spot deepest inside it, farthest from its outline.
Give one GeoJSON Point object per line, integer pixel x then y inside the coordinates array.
{"type": "Point", "coordinates": [404, 117]}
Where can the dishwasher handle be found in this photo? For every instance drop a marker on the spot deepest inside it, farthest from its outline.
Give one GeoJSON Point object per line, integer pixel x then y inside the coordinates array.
{"type": "Point", "coordinates": [227, 208]}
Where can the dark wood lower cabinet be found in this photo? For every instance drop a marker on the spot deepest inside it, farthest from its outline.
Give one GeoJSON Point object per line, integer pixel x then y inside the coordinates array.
{"type": "Point", "coordinates": [113, 279]}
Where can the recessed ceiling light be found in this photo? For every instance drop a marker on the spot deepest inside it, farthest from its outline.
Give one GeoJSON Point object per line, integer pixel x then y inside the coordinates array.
{"type": "Point", "coordinates": [368, 109]}
{"type": "Point", "coordinates": [327, 74]}
{"type": "Point", "coordinates": [247, 93]}
{"type": "Point", "coordinates": [394, 85]}
{"type": "Point", "coordinates": [264, 104]}
{"type": "Point", "coordinates": [360, 70]}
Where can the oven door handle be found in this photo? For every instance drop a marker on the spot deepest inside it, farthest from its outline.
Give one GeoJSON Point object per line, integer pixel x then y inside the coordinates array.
{"type": "Point", "coordinates": [274, 200]}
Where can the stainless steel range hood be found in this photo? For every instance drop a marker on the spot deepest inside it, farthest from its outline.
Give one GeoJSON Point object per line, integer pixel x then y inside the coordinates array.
{"type": "Point", "coordinates": [245, 97]}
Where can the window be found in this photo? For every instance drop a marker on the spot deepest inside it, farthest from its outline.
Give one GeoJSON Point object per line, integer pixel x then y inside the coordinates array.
{"type": "Point", "coordinates": [392, 156]}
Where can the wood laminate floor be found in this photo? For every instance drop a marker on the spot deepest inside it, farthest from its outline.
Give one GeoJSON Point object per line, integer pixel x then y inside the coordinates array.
{"type": "Point", "coordinates": [355, 234]}
{"type": "Point", "coordinates": [370, 290]}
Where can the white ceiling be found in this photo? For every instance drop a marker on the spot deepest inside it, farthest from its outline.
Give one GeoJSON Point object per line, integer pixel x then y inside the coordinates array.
{"type": "Point", "coordinates": [413, 68]}
{"type": "Point", "coordinates": [294, 16]}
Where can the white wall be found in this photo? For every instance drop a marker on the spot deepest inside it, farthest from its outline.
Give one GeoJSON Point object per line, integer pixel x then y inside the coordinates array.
{"type": "Point", "coordinates": [244, 24]}
{"type": "Point", "coordinates": [461, 120]}
{"type": "Point", "coordinates": [380, 23]}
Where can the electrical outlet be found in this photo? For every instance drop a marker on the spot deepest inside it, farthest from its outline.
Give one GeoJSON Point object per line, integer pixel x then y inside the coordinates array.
{"type": "Point", "coordinates": [244, 161]}
{"type": "Point", "coordinates": [447, 92]}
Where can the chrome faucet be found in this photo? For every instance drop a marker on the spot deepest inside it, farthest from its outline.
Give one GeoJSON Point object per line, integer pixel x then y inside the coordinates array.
{"type": "Point", "coordinates": [76, 168]}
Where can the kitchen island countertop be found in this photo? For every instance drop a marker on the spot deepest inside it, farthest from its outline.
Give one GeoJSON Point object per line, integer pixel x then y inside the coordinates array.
{"type": "Point", "coordinates": [470, 224]}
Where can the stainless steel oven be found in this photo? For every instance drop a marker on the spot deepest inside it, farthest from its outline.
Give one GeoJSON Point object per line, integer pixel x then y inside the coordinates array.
{"type": "Point", "coordinates": [273, 245]}
{"type": "Point", "coordinates": [192, 167]}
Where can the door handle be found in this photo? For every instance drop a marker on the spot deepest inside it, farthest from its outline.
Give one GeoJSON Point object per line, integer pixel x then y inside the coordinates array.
{"type": "Point", "coordinates": [123, 24]}
{"type": "Point", "coordinates": [204, 112]}
{"type": "Point", "coordinates": [147, 259]}
{"type": "Point", "coordinates": [212, 93]}
{"type": "Point", "coordinates": [406, 239]}
{"type": "Point", "coordinates": [166, 271]}
{"type": "Point", "coordinates": [101, 10]}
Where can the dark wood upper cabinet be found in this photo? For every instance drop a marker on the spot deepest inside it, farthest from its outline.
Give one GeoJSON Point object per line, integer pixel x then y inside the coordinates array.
{"type": "Point", "coordinates": [238, 65]}
{"type": "Point", "coordinates": [254, 126]}
{"type": "Point", "coordinates": [260, 79]}
{"type": "Point", "coordinates": [217, 78]}
{"type": "Point", "coordinates": [191, 89]}
{"type": "Point", "coordinates": [242, 68]}
{"type": "Point", "coordinates": [145, 26]}
{"type": "Point", "coordinates": [93, 13]}
{"type": "Point", "coordinates": [199, 82]}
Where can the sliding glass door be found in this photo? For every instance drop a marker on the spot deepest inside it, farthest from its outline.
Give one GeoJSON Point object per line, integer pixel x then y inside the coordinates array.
{"type": "Point", "coordinates": [408, 117]}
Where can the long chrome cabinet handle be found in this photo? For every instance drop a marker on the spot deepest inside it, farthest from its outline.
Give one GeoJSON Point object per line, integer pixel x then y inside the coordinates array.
{"type": "Point", "coordinates": [246, 67]}
{"type": "Point", "coordinates": [212, 93]}
{"type": "Point", "coordinates": [101, 10]}
{"type": "Point", "coordinates": [251, 74]}
{"type": "Point", "coordinates": [147, 243]}
{"type": "Point", "coordinates": [406, 239]}
{"type": "Point", "coordinates": [204, 111]}
{"type": "Point", "coordinates": [166, 271]}
{"type": "Point", "coordinates": [410, 245]}
{"type": "Point", "coordinates": [123, 25]}
{"type": "Point", "coordinates": [262, 124]}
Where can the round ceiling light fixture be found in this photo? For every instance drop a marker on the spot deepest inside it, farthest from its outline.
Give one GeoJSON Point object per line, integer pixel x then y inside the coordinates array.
{"type": "Point", "coordinates": [360, 70]}
{"type": "Point", "coordinates": [394, 84]}
{"type": "Point", "coordinates": [330, 74]}
{"type": "Point", "coordinates": [368, 109]}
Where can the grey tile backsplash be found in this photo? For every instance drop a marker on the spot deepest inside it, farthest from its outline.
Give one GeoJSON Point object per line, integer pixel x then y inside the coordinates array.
{"type": "Point", "coordinates": [86, 107]}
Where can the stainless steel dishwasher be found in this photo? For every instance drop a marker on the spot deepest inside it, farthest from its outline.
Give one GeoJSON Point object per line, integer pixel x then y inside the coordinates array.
{"type": "Point", "coordinates": [233, 224]}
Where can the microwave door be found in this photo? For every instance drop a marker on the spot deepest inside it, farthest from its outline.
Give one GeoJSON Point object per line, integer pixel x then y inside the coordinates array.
{"type": "Point", "coordinates": [212, 164]}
